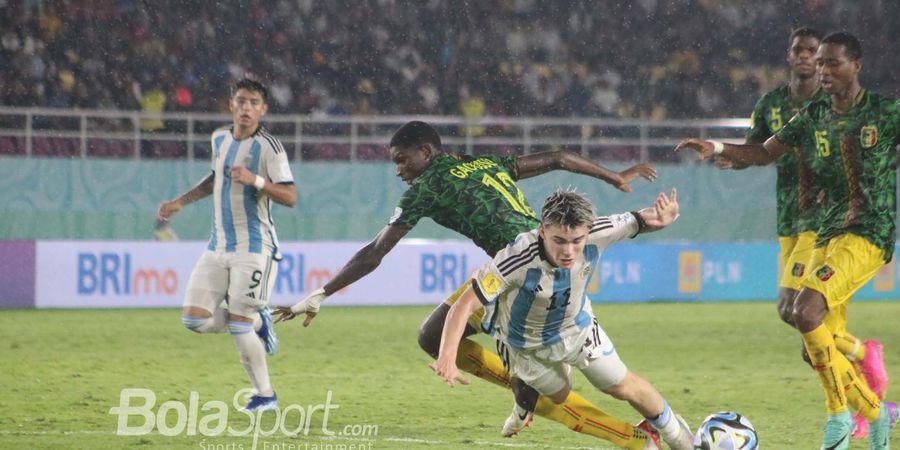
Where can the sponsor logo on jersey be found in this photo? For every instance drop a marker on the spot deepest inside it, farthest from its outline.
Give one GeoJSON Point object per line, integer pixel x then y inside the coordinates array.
{"type": "Point", "coordinates": [868, 136]}
{"type": "Point", "coordinates": [490, 284]}
{"type": "Point", "coordinates": [825, 273]}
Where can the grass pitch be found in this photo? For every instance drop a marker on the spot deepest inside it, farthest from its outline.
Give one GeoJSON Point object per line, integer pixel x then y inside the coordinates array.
{"type": "Point", "coordinates": [62, 371]}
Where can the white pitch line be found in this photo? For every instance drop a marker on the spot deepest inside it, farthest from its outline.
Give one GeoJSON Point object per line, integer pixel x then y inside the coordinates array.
{"type": "Point", "coordinates": [398, 439]}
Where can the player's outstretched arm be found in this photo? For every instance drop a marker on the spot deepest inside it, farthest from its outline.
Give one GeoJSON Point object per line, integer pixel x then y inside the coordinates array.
{"type": "Point", "coordinates": [746, 154]}
{"type": "Point", "coordinates": [663, 212]}
{"type": "Point", "coordinates": [542, 162]}
{"type": "Point", "coordinates": [454, 327]}
{"type": "Point", "coordinates": [202, 190]}
{"type": "Point", "coordinates": [361, 264]}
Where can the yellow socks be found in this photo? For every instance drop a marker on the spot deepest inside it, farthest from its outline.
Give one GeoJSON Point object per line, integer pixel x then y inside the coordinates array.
{"type": "Point", "coordinates": [860, 398]}
{"type": "Point", "coordinates": [850, 346]}
{"type": "Point", "coordinates": [576, 413]}
{"type": "Point", "coordinates": [580, 415]}
{"type": "Point", "coordinates": [473, 358]}
{"type": "Point", "coordinates": [830, 366]}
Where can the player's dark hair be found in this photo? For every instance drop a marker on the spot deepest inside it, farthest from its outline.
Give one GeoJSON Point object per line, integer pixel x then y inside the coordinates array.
{"type": "Point", "coordinates": [251, 85]}
{"type": "Point", "coordinates": [567, 208]}
{"type": "Point", "coordinates": [416, 134]}
{"type": "Point", "coordinates": [804, 32]}
{"type": "Point", "coordinates": [852, 47]}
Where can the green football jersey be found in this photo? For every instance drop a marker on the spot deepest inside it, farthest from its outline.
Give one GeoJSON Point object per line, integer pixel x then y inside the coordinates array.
{"type": "Point", "coordinates": [855, 161]}
{"type": "Point", "coordinates": [475, 196]}
{"type": "Point", "coordinates": [795, 190]}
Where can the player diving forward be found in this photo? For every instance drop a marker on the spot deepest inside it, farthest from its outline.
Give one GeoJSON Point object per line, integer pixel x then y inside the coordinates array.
{"type": "Point", "coordinates": [477, 197]}
{"type": "Point", "coordinates": [536, 306]}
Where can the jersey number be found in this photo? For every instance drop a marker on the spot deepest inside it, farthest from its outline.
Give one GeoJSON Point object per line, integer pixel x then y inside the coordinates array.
{"type": "Point", "coordinates": [517, 202]}
{"type": "Point", "coordinates": [775, 121]}
{"type": "Point", "coordinates": [822, 144]}
{"type": "Point", "coordinates": [559, 299]}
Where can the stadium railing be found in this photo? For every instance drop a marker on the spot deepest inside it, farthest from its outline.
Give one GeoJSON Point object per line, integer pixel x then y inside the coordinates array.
{"type": "Point", "coordinates": [47, 132]}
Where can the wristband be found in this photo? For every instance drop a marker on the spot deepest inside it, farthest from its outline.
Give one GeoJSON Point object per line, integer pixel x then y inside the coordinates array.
{"type": "Point", "coordinates": [259, 183]}
{"type": "Point", "coordinates": [718, 147]}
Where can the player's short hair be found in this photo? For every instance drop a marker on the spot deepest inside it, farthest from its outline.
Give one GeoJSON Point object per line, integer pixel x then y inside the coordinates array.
{"type": "Point", "coordinates": [804, 32]}
{"type": "Point", "coordinates": [416, 134]}
{"type": "Point", "coordinates": [251, 85]}
{"type": "Point", "coordinates": [852, 47]}
{"type": "Point", "coordinates": [567, 208]}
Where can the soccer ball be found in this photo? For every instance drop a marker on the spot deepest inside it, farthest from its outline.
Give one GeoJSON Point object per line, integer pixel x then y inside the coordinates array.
{"type": "Point", "coordinates": [725, 431]}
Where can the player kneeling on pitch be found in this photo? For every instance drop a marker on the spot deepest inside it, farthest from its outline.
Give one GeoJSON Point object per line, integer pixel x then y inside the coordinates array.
{"type": "Point", "coordinates": [533, 292]}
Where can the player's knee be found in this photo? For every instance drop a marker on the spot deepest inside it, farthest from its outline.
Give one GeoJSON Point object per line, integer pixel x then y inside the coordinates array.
{"type": "Point", "coordinates": [526, 396]}
{"type": "Point", "coordinates": [809, 310]}
{"type": "Point", "coordinates": [429, 341]}
{"type": "Point", "coordinates": [786, 306]}
{"type": "Point", "coordinates": [194, 323]}
{"type": "Point", "coordinates": [625, 389]}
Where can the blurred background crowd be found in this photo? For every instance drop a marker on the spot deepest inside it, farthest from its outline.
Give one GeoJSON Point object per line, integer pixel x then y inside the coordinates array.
{"type": "Point", "coordinates": [651, 59]}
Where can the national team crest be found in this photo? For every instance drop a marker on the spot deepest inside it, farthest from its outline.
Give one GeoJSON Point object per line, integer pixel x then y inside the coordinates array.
{"type": "Point", "coordinates": [825, 273]}
{"type": "Point", "coordinates": [586, 271]}
{"type": "Point", "coordinates": [798, 269]}
{"type": "Point", "coordinates": [868, 136]}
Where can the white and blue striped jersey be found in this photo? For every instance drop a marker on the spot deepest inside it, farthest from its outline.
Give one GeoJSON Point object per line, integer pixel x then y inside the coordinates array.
{"type": "Point", "coordinates": [242, 216]}
{"type": "Point", "coordinates": [531, 303]}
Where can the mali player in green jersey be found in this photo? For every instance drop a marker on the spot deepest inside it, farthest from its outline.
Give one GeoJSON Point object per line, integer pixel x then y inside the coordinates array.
{"type": "Point", "coordinates": [851, 138]}
{"type": "Point", "coordinates": [797, 205]}
{"type": "Point", "coordinates": [477, 196]}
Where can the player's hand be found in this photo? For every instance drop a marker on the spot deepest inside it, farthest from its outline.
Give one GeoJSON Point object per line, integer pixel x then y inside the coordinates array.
{"type": "Point", "coordinates": [446, 369]}
{"type": "Point", "coordinates": [703, 148]}
{"type": "Point", "coordinates": [642, 170]}
{"type": "Point", "coordinates": [666, 208]}
{"type": "Point", "coordinates": [167, 210]}
{"type": "Point", "coordinates": [309, 306]}
{"type": "Point", "coordinates": [241, 175]}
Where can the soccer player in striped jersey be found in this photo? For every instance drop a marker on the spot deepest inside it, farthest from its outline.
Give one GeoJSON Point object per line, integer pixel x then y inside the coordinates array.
{"type": "Point", "coordinates": [230, 285]}
{"type": "Point", "coordinates": [536, 307]}
{"type": "Point", "coordinates": [851, 139]}
{"type": "Point", "coordinates": [476, 196]}
{"type": "Point", "coordinates": [797, 210]}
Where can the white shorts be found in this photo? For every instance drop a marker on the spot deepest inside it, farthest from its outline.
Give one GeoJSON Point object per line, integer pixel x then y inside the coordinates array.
{"type": "Point", "coordinates": [245, 280]}
{"type": "Point", "coordinates": [546, 368]}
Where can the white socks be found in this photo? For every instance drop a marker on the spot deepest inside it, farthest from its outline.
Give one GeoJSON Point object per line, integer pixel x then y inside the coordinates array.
{"type": "Point", "coordinates": [253, 356]}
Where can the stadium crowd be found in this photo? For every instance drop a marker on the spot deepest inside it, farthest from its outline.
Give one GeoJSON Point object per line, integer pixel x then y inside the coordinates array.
{"type": "Point", "coordinates": [646, 58]}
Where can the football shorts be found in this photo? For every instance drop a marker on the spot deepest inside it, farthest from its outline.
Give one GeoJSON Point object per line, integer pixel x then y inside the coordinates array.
{"type": "Point", "coordinates": [245, 279]}
{"type": "Point", "coordinates": [843, 266]}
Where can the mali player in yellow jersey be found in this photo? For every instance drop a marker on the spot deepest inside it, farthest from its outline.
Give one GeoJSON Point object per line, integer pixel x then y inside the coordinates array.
{"type": "Point", "coordinates": [852, 137]}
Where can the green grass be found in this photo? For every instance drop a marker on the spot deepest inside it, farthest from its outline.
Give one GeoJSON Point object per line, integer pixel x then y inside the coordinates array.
{"type": "Point", "coordinates": [63, 370]}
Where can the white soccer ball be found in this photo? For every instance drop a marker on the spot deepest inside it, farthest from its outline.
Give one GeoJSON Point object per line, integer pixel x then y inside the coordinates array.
{"type": "Point", "coordinates": [725, 431]}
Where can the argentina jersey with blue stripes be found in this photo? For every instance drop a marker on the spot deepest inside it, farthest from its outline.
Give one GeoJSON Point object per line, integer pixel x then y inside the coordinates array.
{"type": "Point", "coordinates": [528, 301]}
{"type": "Point", "coordinates": [242, 215]}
